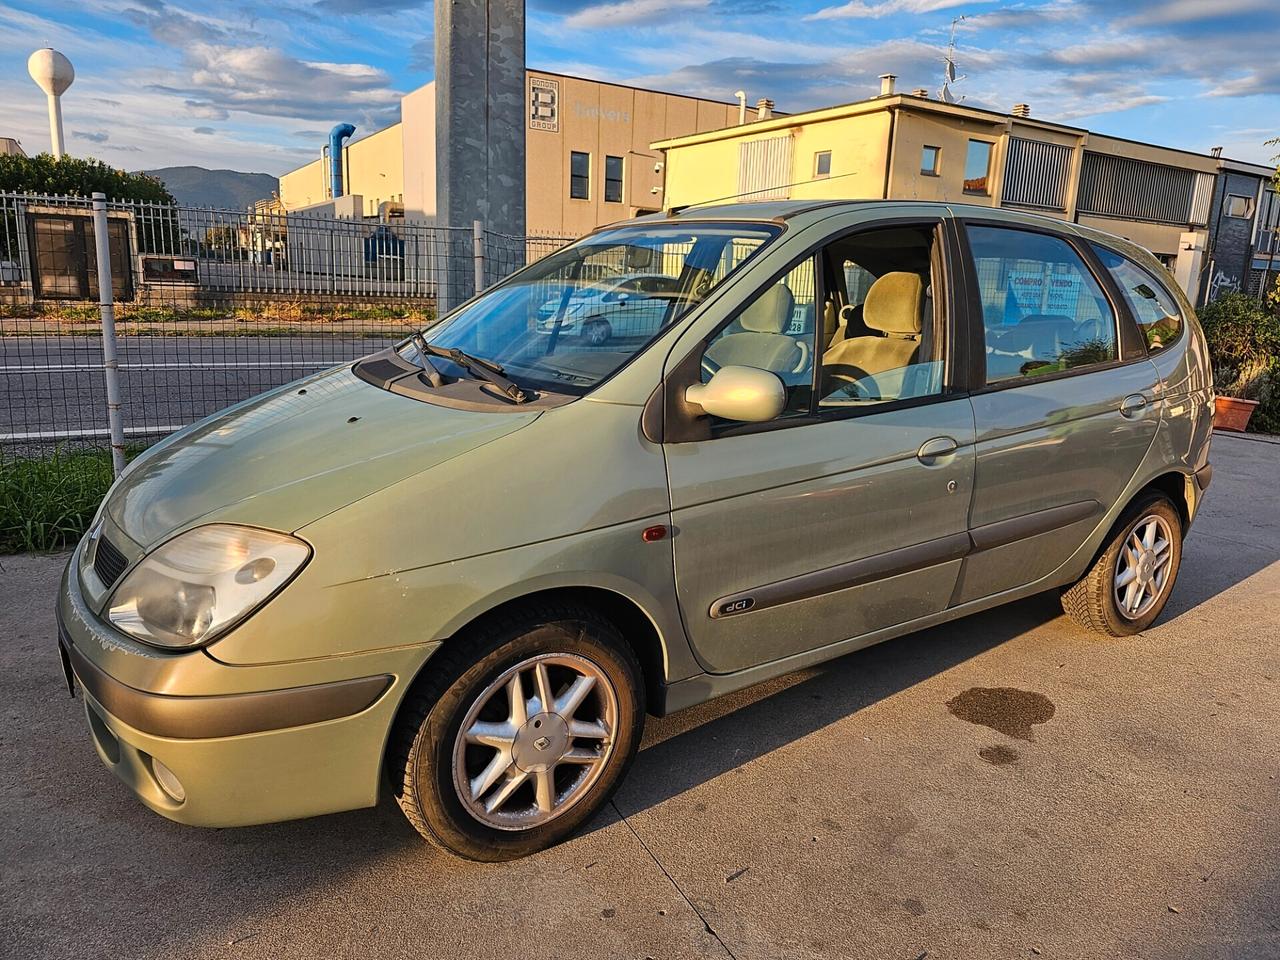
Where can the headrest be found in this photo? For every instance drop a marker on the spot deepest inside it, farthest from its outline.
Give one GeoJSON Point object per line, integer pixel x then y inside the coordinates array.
{"type": "Point", "coordinates": [771, 312]}
{"type": "Point", "coordinates": [893, 304]}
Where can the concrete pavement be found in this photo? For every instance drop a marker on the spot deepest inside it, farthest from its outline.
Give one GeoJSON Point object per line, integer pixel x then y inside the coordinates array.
{"type": "Point", "coordinates": [869, 808]}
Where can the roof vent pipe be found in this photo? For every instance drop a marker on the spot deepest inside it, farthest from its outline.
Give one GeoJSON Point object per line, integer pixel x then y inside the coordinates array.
{"type": "Point", "coordinates": [339, 133]}
{"type": "Point", "coordinates": [921, 92]}
{"type": "Point", "coordinates": [1021, 110]}
{"type": "Point", "coordinates": [886, 84]}
{"type": "Point", "coordinates": [764, 108]}
{"type": "Point", "coordinates": [742, 106]}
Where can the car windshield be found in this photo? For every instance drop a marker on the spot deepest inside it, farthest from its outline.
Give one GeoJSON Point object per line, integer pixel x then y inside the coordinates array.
{"type": "Point", "coordinates": [573, 318]}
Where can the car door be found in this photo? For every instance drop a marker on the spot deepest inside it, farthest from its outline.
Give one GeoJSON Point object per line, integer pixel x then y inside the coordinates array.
{"type": "Point", "coordinates": [1065, 408]}
{"type": "Point", "coordinates": [842, 516]}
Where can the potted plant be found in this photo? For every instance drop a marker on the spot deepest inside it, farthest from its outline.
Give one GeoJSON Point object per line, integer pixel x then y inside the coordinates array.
{"type": "Point", "coordinates": [1244, 347]}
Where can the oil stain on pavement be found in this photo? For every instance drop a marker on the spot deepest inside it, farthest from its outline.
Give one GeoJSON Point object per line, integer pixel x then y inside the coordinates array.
{"type": "Point", "coordinates": [999, 755]}
{"type": "Point", "coordinates": [1007, 710]}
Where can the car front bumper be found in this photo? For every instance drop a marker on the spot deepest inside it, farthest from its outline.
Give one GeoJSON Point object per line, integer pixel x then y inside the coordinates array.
{"type": "Point", "coordinates": [246, 745]}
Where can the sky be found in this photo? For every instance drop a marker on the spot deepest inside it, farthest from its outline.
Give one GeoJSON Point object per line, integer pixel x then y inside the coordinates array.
{"type": "Point", "coordinates": [256, 86]}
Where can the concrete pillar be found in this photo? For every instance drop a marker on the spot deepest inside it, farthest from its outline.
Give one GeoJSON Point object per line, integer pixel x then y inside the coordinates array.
{"type": "Point", "coordinates": [480, 114]}
{"type": "Point", "coordinates": [1190, 263]}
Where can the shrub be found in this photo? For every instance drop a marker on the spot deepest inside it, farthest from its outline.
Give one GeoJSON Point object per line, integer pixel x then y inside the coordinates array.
{"type": "Point", "coordinates": [1244, 347]}
{"type": "Point", "coordinates": [47, 502]}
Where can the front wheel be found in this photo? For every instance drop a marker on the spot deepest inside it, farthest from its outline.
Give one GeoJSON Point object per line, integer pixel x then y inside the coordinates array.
{"type": "Point", "coordinates": [597, 332]}
{"type": "Point", "coordinates": [1130, 581]}
{"type": "Point", "coordinates": [526, 730]}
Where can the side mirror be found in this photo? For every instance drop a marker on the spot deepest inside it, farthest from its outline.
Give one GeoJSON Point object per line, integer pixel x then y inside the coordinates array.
{"type": "Point", "coordinates": [748, 394]}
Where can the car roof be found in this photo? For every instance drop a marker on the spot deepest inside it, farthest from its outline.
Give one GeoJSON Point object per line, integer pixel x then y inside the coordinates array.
{"type": "Point", "coordinates": [811, 210]}
{"type": "Point", "coordinates": [782, 210]}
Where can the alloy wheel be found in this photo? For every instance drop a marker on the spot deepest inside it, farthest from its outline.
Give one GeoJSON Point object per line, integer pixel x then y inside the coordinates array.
{"type": "Point", "coordinates": [534, 741]}
{"type": "Point", "coordinates": [1143, 566]}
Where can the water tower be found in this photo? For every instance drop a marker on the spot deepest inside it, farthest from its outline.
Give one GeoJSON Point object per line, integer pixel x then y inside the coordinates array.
{"type": "Point", "coordinates": [54, 73]}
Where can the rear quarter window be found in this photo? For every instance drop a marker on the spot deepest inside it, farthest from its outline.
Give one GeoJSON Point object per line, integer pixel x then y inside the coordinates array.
{"type": "Point", "coordinates": [1151, 304]}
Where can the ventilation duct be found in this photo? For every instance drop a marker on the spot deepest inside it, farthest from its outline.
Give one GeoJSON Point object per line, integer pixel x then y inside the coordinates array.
{"type": "Point", "coordinates": [338, 134]}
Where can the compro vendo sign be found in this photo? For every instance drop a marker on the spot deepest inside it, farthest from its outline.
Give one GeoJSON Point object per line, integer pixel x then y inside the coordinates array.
{"type": "Point", "coordinates": [1041, 292]}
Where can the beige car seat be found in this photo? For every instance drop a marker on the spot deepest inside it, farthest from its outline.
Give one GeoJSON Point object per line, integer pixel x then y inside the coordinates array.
{"type": "Point", "coordinates": [762, 342]}
{"type": "Point", "coordinates": [894, 307]}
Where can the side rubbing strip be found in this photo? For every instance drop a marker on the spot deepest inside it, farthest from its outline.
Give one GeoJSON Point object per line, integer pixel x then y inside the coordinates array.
{"type": "Point", "coordinates": [844, 575]}
{"type": "Point", "coordinates": [1042, 521]}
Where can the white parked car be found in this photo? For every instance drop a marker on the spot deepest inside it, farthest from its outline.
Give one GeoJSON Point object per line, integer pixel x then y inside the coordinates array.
{"type": "Point", "coordinates": [631, 305]}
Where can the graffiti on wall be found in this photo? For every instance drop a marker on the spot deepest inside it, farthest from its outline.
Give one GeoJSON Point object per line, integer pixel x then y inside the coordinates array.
{"type": "Point", "coordinates": [1221, 283]}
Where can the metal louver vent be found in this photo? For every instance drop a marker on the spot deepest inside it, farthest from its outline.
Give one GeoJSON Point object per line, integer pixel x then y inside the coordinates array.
{"type": "Point", "coordinates": [1114, 186]}
{"type": "Point", "coordinates": [1035, 174]}
{"type": "Point", "coordinates": [764, 169]}
{"type": "Point", "coordinates": [108, 562]}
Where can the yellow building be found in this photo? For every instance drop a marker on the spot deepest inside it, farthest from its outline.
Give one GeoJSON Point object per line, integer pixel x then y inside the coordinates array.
{"type": "Point", "coordinates": [912, 147]}
{"type": "Point", "coordinates": [588, 155]}
{"type": "Point", "coordinates": [373, 170]}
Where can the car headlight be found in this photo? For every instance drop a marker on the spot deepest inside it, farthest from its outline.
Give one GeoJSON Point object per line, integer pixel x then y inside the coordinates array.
{"type": "Point", "coordinates": [202, 582]}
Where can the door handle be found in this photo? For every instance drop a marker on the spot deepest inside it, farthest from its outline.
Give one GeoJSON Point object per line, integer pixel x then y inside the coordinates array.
{"type": "Point", "coordinates": [1133, 405]}
{"type": "Point", "coordinates": [936, 448]}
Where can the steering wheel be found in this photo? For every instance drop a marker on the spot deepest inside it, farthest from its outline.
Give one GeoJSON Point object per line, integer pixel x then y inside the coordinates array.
{"type": "Point", "coordinates": [855, 382]}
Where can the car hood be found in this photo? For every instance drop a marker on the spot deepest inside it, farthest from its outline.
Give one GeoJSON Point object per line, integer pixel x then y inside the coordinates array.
{"type": "Point", "coordinates": [293, 455]}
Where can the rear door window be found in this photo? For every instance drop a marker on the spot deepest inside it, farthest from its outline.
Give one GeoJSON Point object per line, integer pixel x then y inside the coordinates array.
{"type": "Point", "coordinates": [1152, 306]}
{"type": "Point", "coordinates": [1043, 312]}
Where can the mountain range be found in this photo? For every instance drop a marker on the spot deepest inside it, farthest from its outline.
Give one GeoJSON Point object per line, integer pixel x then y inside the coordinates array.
{"type": "Point", "coordinates": [224, 189]}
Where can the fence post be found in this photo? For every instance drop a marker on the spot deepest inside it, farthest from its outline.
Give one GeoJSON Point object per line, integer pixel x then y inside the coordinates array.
{"type": "Point", "coordinates": [477, 243]}
{"type": "Point", "coordinates": [107, 307]}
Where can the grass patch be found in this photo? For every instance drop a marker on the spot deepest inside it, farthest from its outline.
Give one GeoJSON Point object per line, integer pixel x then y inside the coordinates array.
{"type": "Point", "coordinates": [47, 502]}
{"type": "Point", "coordinates": [413, 313]}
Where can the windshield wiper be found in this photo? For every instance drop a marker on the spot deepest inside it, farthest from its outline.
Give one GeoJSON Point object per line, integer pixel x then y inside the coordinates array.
{"type": "Point", "coordinates": [428, 368]}
{"type": "Point", "coordinates": [478, 366]}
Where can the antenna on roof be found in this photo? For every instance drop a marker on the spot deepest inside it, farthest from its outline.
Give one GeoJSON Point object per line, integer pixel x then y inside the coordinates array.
{"type": "Point", "coordinates": [949, 68]}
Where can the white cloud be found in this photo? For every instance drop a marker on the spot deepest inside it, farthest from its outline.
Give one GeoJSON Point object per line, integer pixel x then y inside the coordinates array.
{"type": "Point", "coordinates": [206, 111]}
{"type": "Point", "coordinates": [630, 13]}
{"type": "Point", "coordinates": [858, 9]}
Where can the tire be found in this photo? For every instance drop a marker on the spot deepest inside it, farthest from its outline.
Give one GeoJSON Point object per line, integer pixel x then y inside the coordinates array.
{"type": "Point", "coordinates": [432, 767]}
{"type": "Point", "coordinates": [1097, 602]}
{"type": "Point", "coordinates": [597, 332]}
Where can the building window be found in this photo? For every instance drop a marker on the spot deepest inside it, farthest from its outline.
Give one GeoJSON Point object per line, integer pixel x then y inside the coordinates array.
{"type": "Point", "coordinates": [580, 175]}
{"type": "Point", "coordinates": [822, 164]}
{"type": "Point", "coordinates": [612, 179]}
{"type": "Point", "coordinates": [929, 159]}
{"type": "Point", "coordinates": [977, 167]}
{"type": "Point", "coordinates": [1238, 206]}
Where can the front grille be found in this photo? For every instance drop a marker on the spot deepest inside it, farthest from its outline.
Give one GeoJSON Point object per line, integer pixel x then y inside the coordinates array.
{"type": "Point", "coordinates": [108, 562]}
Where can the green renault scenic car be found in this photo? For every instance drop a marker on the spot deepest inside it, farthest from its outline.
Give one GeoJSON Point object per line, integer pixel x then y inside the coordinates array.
{"type": "Point", "coordinates": [465, 568]}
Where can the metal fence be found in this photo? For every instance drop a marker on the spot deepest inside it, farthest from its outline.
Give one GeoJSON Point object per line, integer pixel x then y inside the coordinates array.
{"type": "Point", "coordinates": [210, 306]}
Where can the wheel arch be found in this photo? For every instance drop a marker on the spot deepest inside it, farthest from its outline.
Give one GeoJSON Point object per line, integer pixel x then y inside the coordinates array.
{"type": "Point", "coordinates": [1178, 487]}
{"type": "Point", "coordinates": [635, 625]}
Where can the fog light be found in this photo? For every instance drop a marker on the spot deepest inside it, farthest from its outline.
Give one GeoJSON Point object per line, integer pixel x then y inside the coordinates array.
{"type": "Point", "coordinates": [168, 781]}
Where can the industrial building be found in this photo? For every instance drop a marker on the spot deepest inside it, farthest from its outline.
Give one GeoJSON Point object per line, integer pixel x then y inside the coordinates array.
{"type": "Point", "coordinates": [1211, 220]}
{"type": "Point", "coordinates": [589, 160]}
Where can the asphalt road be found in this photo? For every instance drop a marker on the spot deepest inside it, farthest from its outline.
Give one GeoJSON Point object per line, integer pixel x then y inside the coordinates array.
{"type": "Point", "coordinates": [57, 384]}
{"type": "Point", "coordinates": [1129, 810]}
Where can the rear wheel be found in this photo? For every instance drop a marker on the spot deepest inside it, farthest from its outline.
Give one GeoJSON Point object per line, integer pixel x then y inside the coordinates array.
{"type": "Point", "coordinates": [525, 732]}
{"type": "Point", "coordinates": [1130, 581]}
